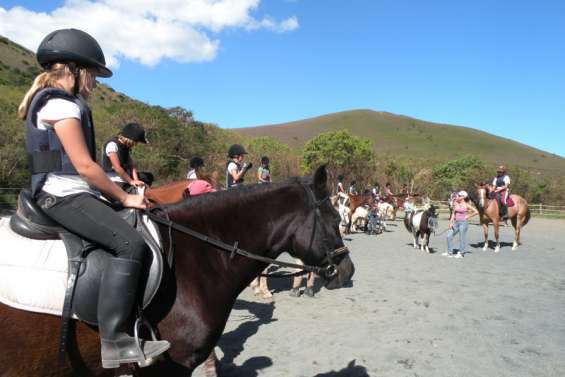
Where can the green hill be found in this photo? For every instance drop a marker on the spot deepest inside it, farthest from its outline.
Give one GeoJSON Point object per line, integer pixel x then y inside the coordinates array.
{"type": "Point", "coordinates": [409, 138]}
{"type": "Point", "coordinates": [173, 134]}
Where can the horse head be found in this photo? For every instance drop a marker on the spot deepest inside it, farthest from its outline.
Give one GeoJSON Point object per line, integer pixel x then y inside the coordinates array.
{"type": "Point", "coordinates": [432, 210]}
{"type": "Point", "coordinates": [317, 240]}
{"type": "Point", "coordinates": [482, 190]}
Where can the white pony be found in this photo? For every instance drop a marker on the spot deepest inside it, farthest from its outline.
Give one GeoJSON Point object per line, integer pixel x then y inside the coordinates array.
{"type": "Point", "coordinates": [341, 204]}
{"type": "Point", "coordinates": [359, 218]}
{"type": "Point", "coordinates": [386, 211]}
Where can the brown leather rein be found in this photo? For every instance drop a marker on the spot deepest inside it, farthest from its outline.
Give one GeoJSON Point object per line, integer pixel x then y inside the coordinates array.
{"type": "Point", "coordinates": [327, 271]}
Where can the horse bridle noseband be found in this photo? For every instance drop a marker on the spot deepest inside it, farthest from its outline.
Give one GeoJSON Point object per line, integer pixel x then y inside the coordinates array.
{"type": "Point", "coordinates": [328, 271]}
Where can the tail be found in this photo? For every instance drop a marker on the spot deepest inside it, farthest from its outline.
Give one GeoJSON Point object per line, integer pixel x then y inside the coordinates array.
{"type": "Point", "coordinates": [528, 215]}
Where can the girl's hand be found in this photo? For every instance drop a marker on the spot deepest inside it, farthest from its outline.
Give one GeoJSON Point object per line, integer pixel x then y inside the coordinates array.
{"type": "Point", "coordinates": [137, 182]}
{"type": "Point", "coordinates": [135, 201]}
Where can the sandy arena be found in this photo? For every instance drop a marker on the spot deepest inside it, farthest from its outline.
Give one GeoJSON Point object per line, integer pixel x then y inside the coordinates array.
{"type": "Point", "coordinates": [412, 314]}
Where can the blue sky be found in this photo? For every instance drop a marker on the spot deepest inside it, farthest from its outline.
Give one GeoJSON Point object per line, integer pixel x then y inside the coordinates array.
{"type": "Point", "coordinates": [498, 66]}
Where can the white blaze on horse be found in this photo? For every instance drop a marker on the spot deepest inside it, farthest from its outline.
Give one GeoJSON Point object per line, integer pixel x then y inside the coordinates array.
{"type": "Point", "coordinates": [421, 223]}
{"type": "Point", "coordinates": [489, 212]}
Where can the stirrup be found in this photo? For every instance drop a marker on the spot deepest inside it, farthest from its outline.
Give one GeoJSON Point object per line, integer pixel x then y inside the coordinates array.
{"type": "Point", "coordinates": [142, 322]}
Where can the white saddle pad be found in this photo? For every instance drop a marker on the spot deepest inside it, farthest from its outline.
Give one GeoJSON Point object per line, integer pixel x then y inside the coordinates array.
{"type": "Point", "coordinates": [33, 274]}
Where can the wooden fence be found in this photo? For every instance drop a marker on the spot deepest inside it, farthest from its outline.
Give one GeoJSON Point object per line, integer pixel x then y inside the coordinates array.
{"type": "Point", "coordinates": [8, 196]}
{"type": "Point", "coordinates": [545, 210]}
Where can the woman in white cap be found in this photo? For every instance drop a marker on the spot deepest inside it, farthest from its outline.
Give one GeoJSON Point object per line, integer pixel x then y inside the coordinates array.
{"type": "Point", "coordinates": [458, 223]}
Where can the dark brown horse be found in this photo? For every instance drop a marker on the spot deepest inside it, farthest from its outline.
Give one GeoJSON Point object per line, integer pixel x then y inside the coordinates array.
{"type": "Point", "coordinates": [489, 212]}
{"type": "Point", "coordinates": [195, 299]}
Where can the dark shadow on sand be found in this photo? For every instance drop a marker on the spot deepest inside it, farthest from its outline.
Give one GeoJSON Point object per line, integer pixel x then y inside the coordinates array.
{"type": "Point", "coordinates": [233, 343]}
{"type": "Point", "coordinates": [351, 370]}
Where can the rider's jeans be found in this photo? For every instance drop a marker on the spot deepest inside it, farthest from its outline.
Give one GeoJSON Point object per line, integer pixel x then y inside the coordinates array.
{"type": "Point", "coordinates": [461, 228]}
{"type": "Point", "coordinates": [93, 220]}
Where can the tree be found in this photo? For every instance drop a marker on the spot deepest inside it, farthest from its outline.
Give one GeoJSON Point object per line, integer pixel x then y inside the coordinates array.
{"type": "Point", "coordinates": [342, 152]}
{"type": "Point", "coordinates": [458, 174]}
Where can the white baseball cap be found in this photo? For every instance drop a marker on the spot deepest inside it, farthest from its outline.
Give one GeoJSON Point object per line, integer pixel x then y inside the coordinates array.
{"type": "Point", "coordinates": [462, 194]}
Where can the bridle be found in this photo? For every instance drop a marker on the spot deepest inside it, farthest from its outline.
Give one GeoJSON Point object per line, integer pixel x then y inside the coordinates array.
{"type": "Point", "coordinates": [327, 271]}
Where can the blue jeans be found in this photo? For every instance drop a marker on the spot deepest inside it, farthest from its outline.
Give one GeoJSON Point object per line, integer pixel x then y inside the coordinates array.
{"type": "Point", "coordinates": [461, 228]}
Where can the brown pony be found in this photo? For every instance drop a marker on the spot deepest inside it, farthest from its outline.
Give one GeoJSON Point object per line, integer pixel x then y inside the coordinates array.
{"type": "Point", "coordinates": [489, 212]}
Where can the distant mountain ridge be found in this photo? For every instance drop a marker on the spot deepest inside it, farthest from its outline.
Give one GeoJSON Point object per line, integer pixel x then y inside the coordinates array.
{"type": "Point", "coordinates": [415, 139]}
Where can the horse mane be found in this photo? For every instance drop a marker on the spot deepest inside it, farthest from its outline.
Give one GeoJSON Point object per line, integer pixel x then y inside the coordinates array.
{"type": "Point", "coordinates": [241, 196]}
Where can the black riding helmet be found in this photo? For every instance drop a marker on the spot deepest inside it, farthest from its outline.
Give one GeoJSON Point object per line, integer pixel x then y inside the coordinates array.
{"type": "Point", "coordinates": [135, 132]}
{"type": "Point", "coordinates": [196, 162]}
{"type": "Point", "coordinates": [236, 150]}
{"type": "Point", "coordinates": [72, 45]}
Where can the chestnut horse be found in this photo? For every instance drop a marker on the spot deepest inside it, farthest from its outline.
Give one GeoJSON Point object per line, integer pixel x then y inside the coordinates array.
{"type": "Point", "coordinates": [489, 212]}
{"type": "Point", "coordinates": [173, 192]}
{"type": "Point", "coordinates": [196, 296]}
{"type": "Point", "coordinates": [168, 193]}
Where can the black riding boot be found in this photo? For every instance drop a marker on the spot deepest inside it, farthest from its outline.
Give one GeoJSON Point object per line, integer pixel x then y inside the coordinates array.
{"type": "Point", "coordinates": [503, 211]}
{"type": "Point", "coordinates": [115, 304]}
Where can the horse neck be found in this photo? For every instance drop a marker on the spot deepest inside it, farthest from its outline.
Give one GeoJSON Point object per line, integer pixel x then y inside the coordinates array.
{"type": "Point", "coordinates": [259, 222]}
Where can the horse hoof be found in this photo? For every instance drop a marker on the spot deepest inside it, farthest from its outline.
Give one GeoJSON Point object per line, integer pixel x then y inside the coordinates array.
{"type": "Point", "coordinates": [427, 250]}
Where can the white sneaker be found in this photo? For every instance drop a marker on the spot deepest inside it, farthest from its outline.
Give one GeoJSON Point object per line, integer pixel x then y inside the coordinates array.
{"type": "Point", "coordinates": [458, 256]}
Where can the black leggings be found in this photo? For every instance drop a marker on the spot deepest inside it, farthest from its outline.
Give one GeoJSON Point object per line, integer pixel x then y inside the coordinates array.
{"type": "Point", "coordinates": [94, 221]}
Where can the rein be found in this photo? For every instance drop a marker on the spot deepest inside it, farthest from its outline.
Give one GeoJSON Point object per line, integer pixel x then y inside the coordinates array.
{"type": "Point", "coordinates": [328, 271]}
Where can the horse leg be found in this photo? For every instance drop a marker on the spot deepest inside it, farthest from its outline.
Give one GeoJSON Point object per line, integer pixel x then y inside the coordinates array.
{"type": "Point", "coordinates": [496, 235]}
{"type": "Point", "coordinates": [263, 287]}
{"type": "Point", "coordinates": [415, 238]}
{"type": "Point", "coordinates": [210, 365]}
{"type": "Point", "coordinates": [427, 242]}
{"type": "Point", "coordinates": [422, 239]}
{"type": "Point", "coordinates": [517, 223]}
{"type": "Point", "coordinates": [485, 231]}
{"type": "Point", "coordinates": [255, 285]}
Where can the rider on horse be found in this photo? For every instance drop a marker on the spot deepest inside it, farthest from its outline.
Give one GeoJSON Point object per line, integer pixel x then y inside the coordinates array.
{"type": "Point", "coordinates": [353, 188]}
{"type": "Point", "coordinates": [263, 172]}
{"type": "Point", "coordinates": [194, 165]}
{"type": "Point", "coordinates": [388, 193]}
{"type": "Point", "coordinates": [67, 183]}
{"type": "Point", "coordinates": [501, 185]}
{"type": "Point", "coordinates": [116, 157]}
{"type": "Point", "coordinates": [235, 167]}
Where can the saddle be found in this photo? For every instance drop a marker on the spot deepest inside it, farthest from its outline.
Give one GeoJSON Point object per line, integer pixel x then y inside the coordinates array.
{"type": "Point", "coordinates": [85, 260]}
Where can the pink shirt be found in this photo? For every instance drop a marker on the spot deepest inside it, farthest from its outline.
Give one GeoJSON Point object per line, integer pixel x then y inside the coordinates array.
{"type": "Point", "coordinates": [460, 212]}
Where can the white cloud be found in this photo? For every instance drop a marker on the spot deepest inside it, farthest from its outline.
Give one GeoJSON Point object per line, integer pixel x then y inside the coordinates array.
{"type": "Point", "coordinates": [146, 31]}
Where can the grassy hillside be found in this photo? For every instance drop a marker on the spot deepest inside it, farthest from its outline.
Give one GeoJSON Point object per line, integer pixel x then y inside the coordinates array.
{"type": "Point", "coordinates": [173, 133]}
{"type": "Point", "coordinates": [414, 139]}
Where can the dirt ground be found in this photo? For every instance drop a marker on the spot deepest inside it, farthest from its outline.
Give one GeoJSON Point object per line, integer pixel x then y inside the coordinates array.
{"type": "Point", "coordinates": [408, 313]}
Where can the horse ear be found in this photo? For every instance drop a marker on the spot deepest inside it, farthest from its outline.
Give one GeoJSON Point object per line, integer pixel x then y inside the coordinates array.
{"type": "Point", "coordinates": [321, 182]}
